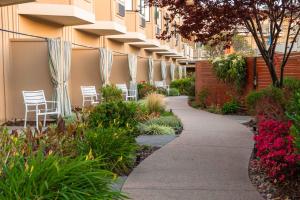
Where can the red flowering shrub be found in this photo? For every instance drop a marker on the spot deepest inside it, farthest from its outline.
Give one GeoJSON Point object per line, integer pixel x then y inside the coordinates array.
{"type": "Point", "coordinates": [275, 149]}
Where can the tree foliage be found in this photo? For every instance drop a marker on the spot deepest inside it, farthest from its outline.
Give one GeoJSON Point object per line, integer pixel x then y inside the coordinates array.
{"type": "Point", "coordinates": [218, 20]}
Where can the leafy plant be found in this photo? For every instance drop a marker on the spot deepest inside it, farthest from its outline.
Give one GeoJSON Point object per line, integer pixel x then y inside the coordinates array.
{"type": "Point", "coordinates": [170, 121]}
{"type": "Point", "coordinates": [111, 93]}
{"type": "Point", "coordinates": [230, 107]}
{"type": "Point", "coordinates": [174, 92]}
{"type": "Point", "coordinates": [275, 149]}
{"type": "Point", "coordinates": [155, 103]}
{"type": "Point", "coordinates": [202, 98]}
{"type": "Point", "coordinates": [112, 146]}
{"type": "Point", "coordinates": [186, 86]}
{"type": "Point", "coordinates": [270, 102]}
{"type": "Point", "coordinates": [231, 69]}
{"type": "Point", "coordinates": [294, 114]}
{"type": "Point", "coordinates": [114, 114]}
{"type": "Point", "coordinates": [144, 89]}
{"type": "Point", "coordinates": [55, 177]}
{"type": "Point", "coordinates": [155, 129]}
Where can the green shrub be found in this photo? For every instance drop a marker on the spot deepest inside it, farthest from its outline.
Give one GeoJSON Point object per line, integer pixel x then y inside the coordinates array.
{"type": "Point", "coordinates": [291, 85]}
{"type": "Point", "coordinates": [186, 86]}
{"type": "Point", "coordinates": [55, 177]}
{"type": "Point", "coordinates": [144, 89]}
{"type": "Point", "coordinates": [155, 129]}
{"type": "Point", "coordinates": [231, 69]}
{"type": "Point", "coordinates": [155, 103]}
{"type": "Point", "coordinates": [294, 114]}
{"type": "Point", "coordinates": [111, 93]}
{"type": "Point", "coordinates": [113, 146]}
{"type": "Point", "coordinates": [116, 114]}
{"type": "Point", "coordinates": [255, 98]}
{"type": "Point", "coordinates": [174, 92]}
{"type": "Point", "coordinates": [170, 121]}
{"type": "Point", "coordinates": [202, 97]}
{"type": "Point", "coordinates": [230, 107]}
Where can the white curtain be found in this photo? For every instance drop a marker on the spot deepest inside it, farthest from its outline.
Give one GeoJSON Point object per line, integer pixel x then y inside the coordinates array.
{"type": "Point", "coordinates": [180, 72]}
{"type": "Point", "coordinates": [172, 71]}
{"type": "Point", "coordinates": [60, 66]}
{"type": "Point", "coordinates": [151, 70]}
{"type": "Point", "coordinates": [132, 63]}
{"type": "Point", "coordinates": [184, 72]}
{"type": "Point", "coordinates": [55, 57]}
{"type": "Point", "coordinates": [67, 55]}
{"type": "Point", "coordinates": [163, 65]}
{"type": "Point", "coordinates": [106, 61]}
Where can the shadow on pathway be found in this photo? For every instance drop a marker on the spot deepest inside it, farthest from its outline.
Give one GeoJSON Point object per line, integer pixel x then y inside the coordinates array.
{"type": "Point", "coordinates": [208, 161]}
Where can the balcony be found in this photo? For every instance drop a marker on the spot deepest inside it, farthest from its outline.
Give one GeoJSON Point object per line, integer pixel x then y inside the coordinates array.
{"type": "Point", "coordinates": [120, 7]}
{"type": "Point", "coordinates": [63, 14]}
{"type": "Point", "coordinates": [142, 21]}
{"type": "Point", "coordinates": [103, 28]}
{"type": "Point", "coordinates": [128, 37]}
{"type": "Point", "coordinates": [11, 2]}
{"type": "Point", "coordinates": [157, 30]}
{"type": "Point", "coordinates": [160, 49]}
{"type": "Point", "coordinates": [147, 44]}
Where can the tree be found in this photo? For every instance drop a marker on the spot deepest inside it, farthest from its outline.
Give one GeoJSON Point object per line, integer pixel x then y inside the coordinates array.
{"type": "Point", "coordinates": [218, 20]}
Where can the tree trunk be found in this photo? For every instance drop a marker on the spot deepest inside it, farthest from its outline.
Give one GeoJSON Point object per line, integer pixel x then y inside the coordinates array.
{"type": "Point", "coordinates": [275, 80]}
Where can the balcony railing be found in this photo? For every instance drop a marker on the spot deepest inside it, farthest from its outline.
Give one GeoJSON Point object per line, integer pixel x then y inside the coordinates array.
{"type": "Point", "coordinates": [142, 21]}
{"type": "Point", "coordinates": [121, 8]}
{"type": "Point", "coordinates": [157, 30]}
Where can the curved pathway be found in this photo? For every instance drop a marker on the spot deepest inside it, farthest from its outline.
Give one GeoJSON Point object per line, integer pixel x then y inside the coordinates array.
{"type": "Point", "coordinates": [208, 161]}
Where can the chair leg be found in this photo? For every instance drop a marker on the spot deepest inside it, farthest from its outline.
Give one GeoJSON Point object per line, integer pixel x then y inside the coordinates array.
{"type": "Point", "coordinates": [37, 121]}
{"type": "Point", "coordinates": [25, 120]}
{"type": "Point", "coordinates": [45, 117]}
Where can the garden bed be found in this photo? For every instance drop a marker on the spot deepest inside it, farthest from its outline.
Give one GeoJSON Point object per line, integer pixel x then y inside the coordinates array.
{"type": "Point", "coordinates": [288, 191]}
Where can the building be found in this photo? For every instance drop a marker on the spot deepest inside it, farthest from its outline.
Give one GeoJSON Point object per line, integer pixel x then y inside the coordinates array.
{"type": "Point", "coordinates": [124, 28]}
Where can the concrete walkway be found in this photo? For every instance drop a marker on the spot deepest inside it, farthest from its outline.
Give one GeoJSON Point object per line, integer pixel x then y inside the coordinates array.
{"type": "Point", "coordinates": [208, 161]}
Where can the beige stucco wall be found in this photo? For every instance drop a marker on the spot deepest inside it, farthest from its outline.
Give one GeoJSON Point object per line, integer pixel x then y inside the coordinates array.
{"type": "Point", "coordinates": [28, 71]}
{"type": "Point", "coordinates": [85, 71]}
{"type": "Point", "coordinates": [120, 70]}
{"type": "Point", "coordinates": [157, 71]}
{"type": "Point", "coordinates": [142, 70]}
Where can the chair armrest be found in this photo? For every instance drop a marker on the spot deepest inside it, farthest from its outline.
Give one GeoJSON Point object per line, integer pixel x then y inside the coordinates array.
{"type": "Point", "coordinates": [51, 101]}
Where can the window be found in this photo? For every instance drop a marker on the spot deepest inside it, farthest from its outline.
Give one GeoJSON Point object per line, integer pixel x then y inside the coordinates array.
{"type": "Point", "coordinates": [147, 13]}
{"type": "Point", "coordinates": [128, 5]}
{"type": "Point", "coordinates": [141, 7]}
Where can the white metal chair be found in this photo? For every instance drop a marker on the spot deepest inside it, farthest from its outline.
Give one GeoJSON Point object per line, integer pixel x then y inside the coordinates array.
{"type": "Point", "coordinates": [128, 94]}
{"type": "Point", "coordinates": [162, 84]}
{"type": "Point", "coordinates": [33, 101]}
{"type": "Point", "coordinates": [89, 94]}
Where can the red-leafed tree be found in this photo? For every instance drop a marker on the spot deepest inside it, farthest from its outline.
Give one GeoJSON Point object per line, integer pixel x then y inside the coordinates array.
{"type": "Point", "coordinates": [217, 20]}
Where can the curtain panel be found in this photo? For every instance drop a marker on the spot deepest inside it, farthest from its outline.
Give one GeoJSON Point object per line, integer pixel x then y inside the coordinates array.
{"type": "Point", "coordinates": [106, 62]}
{"type": "Point", "coordinates": [163, 65]}
{"type": "Point", "coordinates": [172, 71]}
{"type": "Point", "coordinates": [132, 64]}
{"type": "Point", "coordinates": [59, 53]}
{"type": "Point", "coordinates": [150, 70]}
{"type": "Point", "coordinates": [180, 71]}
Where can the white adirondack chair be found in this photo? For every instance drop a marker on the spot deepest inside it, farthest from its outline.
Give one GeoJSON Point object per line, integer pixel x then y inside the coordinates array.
{"type": "Point", "coordinates": [89, 94]}
{"type": "Point", "coordinates": [162, 84]}
{"type": "Point", "coordinates": [128, 94]}
{"type": "Point", "coordinates": [35, 101]}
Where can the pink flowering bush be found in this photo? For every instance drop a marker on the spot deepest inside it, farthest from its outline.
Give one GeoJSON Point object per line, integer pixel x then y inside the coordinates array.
{"type": "Point", "coordinates": [276, 150]}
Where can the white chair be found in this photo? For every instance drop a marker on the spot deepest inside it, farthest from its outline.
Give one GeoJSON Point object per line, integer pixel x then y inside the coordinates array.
{"type": "Point", "coordinates": [33, 101]}
{"type": "Point", "coordinates": [89, 94]}
{"type": "Point", "coordinates": [128, 94]}
{"type": "Point", "coordinates": [162, 84]}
